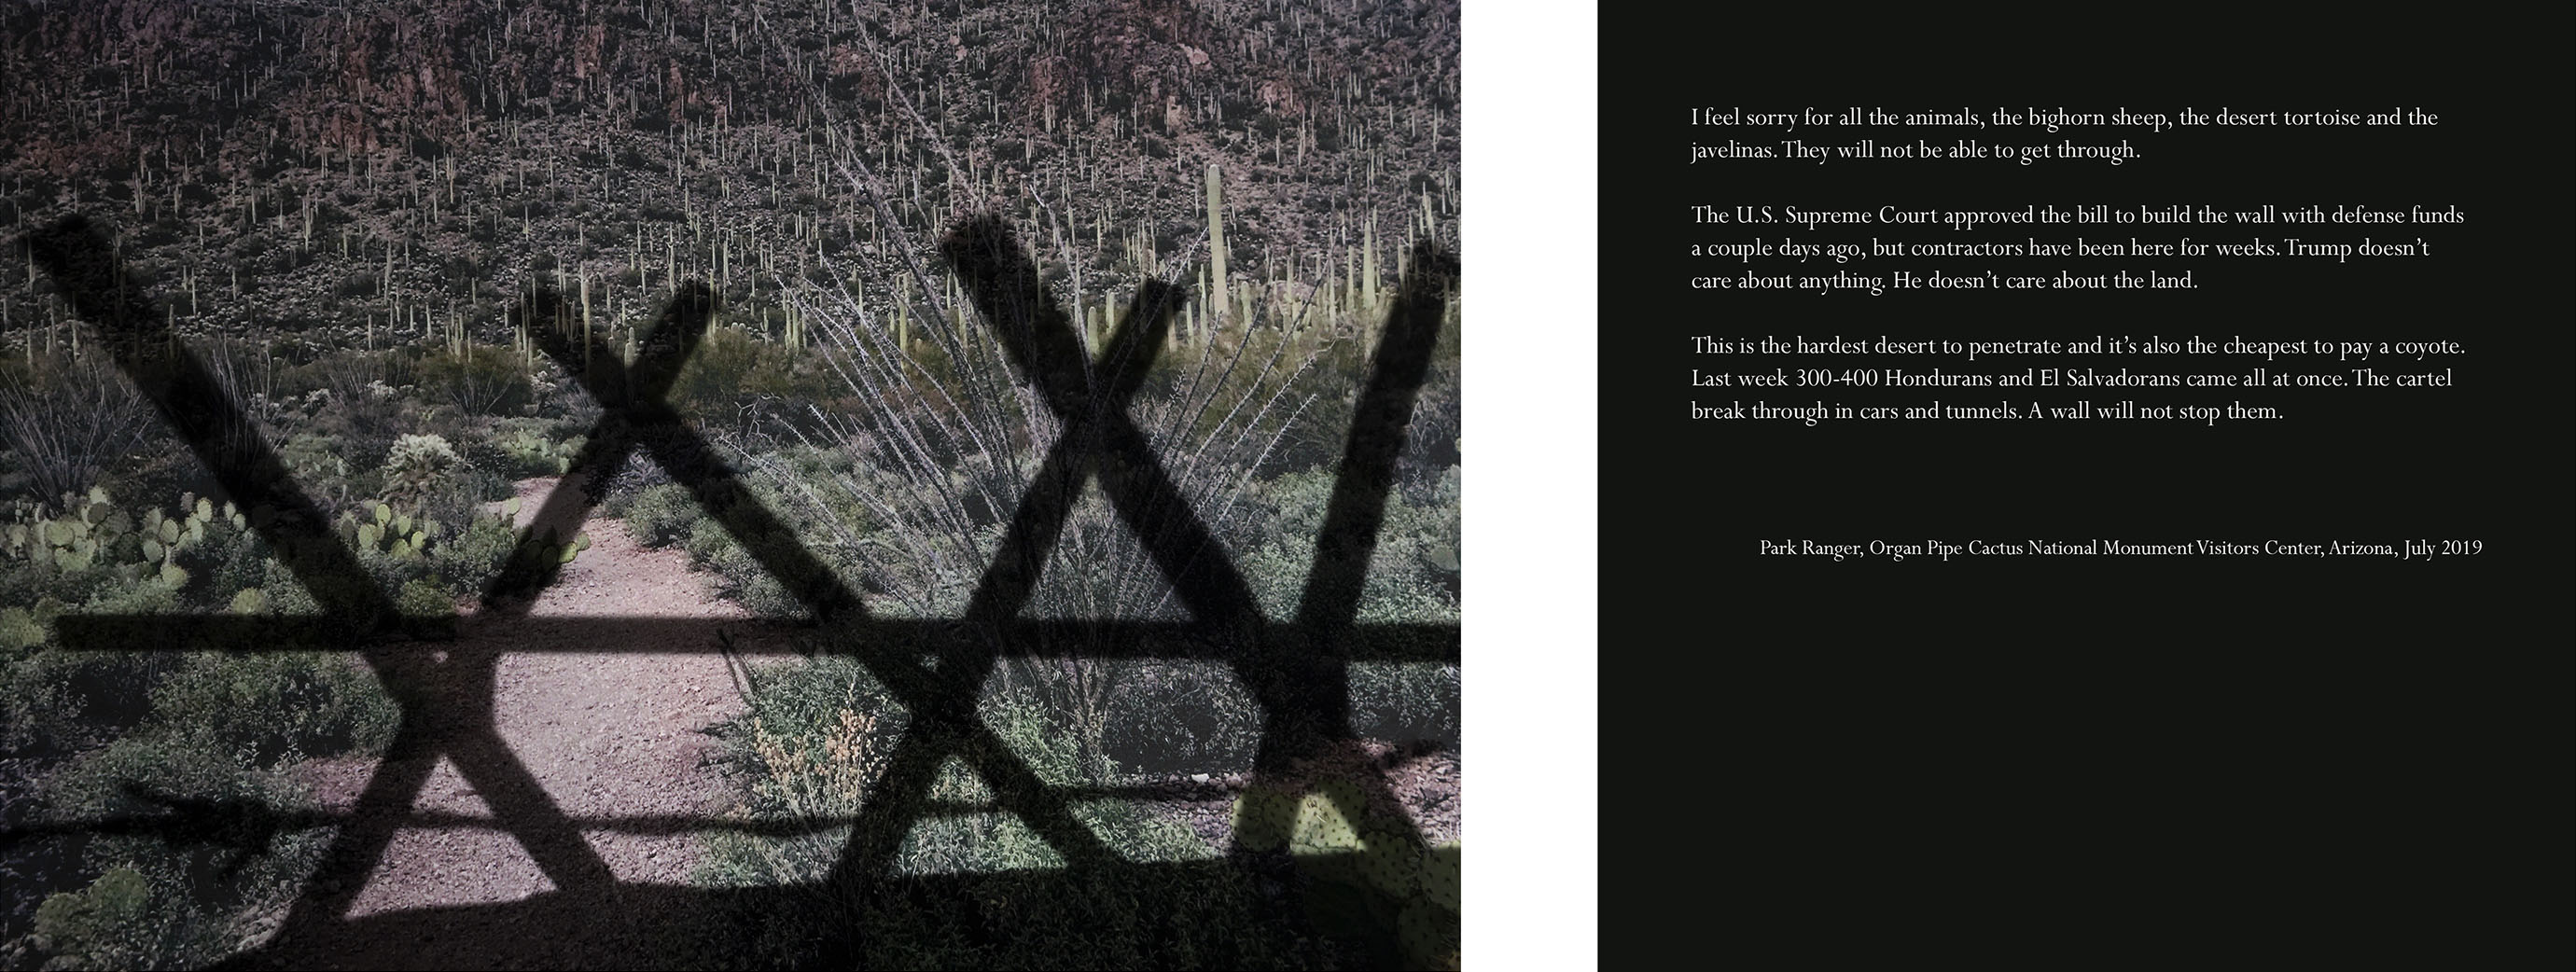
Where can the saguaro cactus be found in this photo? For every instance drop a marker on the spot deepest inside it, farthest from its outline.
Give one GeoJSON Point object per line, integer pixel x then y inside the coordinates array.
{"type": "Point", "coordinates": [1216, 240]}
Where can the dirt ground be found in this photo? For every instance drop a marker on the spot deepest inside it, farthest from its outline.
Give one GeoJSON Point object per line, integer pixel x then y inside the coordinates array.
{"type": "Point", "coordinates": [609, 736]}
{"type": "Point", "coordinates": [621, 737]}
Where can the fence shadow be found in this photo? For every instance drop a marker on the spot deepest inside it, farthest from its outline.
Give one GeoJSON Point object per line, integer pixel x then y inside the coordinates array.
{"type": "Point", "coordinates": [1295, 669]}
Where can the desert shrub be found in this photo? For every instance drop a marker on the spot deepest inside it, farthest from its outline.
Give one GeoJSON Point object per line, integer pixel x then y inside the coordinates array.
{"type": "Point", "coordinates": [20, 634]}
{"type": "Point", "coordinates": [365, 410]}
{"type": "Point", "coordinates": [741, 576]}
{"type": "Point", "coordinates": [1038, 737]}
{"type": "Point", "coordinates": [482, 381]}
{"type": "Point", "coordinates": [1405, 702]}
{"type": "Point", "coordinates": [763, 594]}
{"type": "Point", "coordinates": [140, 596]}
{"type": "Point", "coordinates": [417, 559]}
{"type": "Point", "coordinates": [315, 464]}
{"type": "Point", "coordinates": [732, 368]}
{"type": "Point", "coordinates": [474, 555]}
{"type": "Point", "coordinates": [65, 421]}
{"type": "Point", "coordinates": [1413, 571]}
{"type": "Point", "coordinates": [662, 515]}
{"type": "Point", "coordinates": [535, 454]}
{"type": "Point", "coordinates": [55, 697]}
{"type": "Point", "coordinates": [622, 485]}
{"type": "Point", "coordinates": [425, 597]}
{"type": "Point", "coordinates": [1174, 717]}
{"type": "Point", "coordinates": [234, 563]}
{"type": "Point", "coordinates": [815, 740]}
{"type": "Point", "coordinates": [114, 923]}
{"type": "Point", "coordinates": [286, 593]}
{"type": "Point", "coordinates": [463, 498]}
{"type": "Point", "coordinates": [268, 707]}
{"type": "Point", "coordinates": [712, 546]}
{"type": "Point", "coordinates": [41, 579]}
{"type": "Point", "coordinates": [224, 852]}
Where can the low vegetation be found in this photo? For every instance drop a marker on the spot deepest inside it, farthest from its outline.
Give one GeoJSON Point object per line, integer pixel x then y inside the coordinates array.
{"type": "Point", "coordinates": [343, 212]}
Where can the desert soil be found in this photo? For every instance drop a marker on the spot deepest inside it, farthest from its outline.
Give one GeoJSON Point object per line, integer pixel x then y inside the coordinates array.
{"type": "Point", "coordinates": [608, 736]}
{"type": "Point", "coordinates": [622, 736]}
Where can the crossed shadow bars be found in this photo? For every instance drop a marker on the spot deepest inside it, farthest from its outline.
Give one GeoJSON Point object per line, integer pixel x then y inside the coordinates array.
{"type": "Point", "coordinates": [1296, 670]}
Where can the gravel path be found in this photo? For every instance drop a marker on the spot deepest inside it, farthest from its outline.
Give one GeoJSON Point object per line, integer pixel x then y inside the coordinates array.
{"type": "Point", "coordinates": [610, 737]}
{"type": "Point", "coordinates": [617, 741]}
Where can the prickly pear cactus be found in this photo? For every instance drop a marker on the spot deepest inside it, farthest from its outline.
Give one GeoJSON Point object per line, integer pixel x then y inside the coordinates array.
{"type": "Point", "coordinates": [1347, 796]}
{"type": "Point", "coordinates": [1441, 876]}
{"type": "Point", "coordinates": [1392, 861]}
{"type": "Point", "coordinates": [1428, 934]}
{"type": "Point", "coordinates": [1321, 828]}
{"type": "Point", "coordinates": [1263, 818]}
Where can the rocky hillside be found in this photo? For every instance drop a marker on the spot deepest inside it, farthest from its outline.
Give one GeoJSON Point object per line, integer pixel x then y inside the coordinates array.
{"type": "Point", "coordinates": [316, 175]}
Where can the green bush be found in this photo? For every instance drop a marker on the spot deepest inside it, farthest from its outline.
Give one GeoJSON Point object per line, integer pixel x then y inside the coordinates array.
{"type": "Point", "coordinates": [1405, 702]}
{"type": "Point", "coordinates": [1412, 571]}
{"type": "Point", "coordinates": [19, 633]}
{"type": "Point", "coordinates": [483, 381]}
{"type": "Point", "coordinates": [711, 544]}
{"type": "Point", "coordinates": [315, 463]}
{"type": "Point", "coordinates": [472, 557]}
{"type": "Point", "coordinates": [268, 707]}
{"type": "Point", "coordinates": [287, 595]}
{"type": "Point", "coordinates": [662, 515]}
{"type": "Point", "coordinates": [1180, 717]}
{"type": "Point", "coordinates": [111, 924]}
{"type": "Point", "coordinates": [239, 562]}
{"type": "Point", "coordinates": [42, 703]}
{"type": "Point", "coordinates": [732, 367]}
{"type": "Point", "coordinates": [816, 738]}
{"type": "Point", "coordinates": [743, 577]}
{"type": "Point", "coordinates": [226, 850]}
{"type": "Point", "coordinates": [74, 697]}
{"type": "Point", "coordinates": [425, 597]}
{"type": "Point", "coordinates": [526, 447]}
